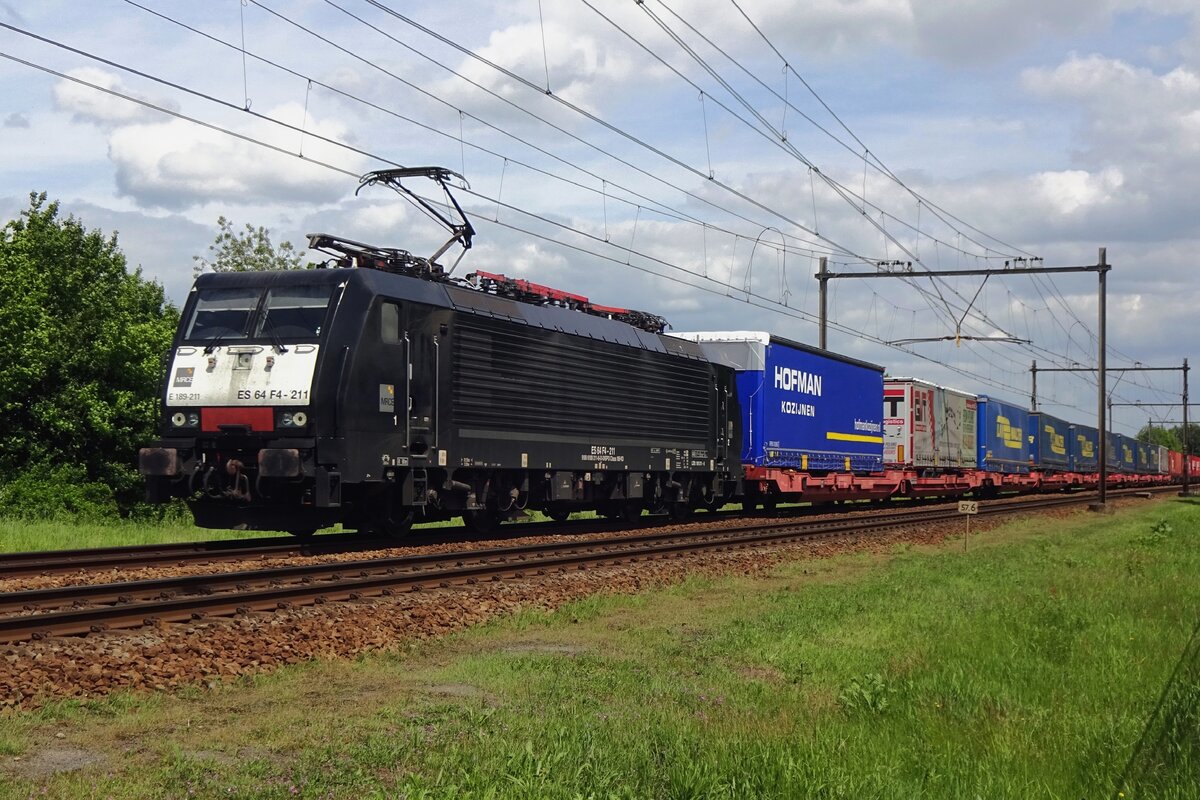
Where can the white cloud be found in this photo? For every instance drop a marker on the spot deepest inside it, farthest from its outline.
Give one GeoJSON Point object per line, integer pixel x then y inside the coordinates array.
{"type": "Point", "coordinates": [88, 104]}
{"type": "Point", "coordinates": [1068, 191]}
{"type": "Point", "coordinates": [177, 165]}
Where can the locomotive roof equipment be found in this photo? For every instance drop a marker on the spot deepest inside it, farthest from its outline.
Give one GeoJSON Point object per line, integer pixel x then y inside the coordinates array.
{"type": "Point", "coordinates": [460, 232]}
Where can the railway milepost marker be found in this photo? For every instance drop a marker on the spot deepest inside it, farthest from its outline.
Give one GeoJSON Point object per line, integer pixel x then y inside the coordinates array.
{"type": "Point", "coordinates": [968, 507]}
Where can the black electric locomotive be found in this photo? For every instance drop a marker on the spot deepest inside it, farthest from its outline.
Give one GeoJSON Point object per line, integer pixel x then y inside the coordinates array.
{"type": "Point", "coordinates": [378, 392]}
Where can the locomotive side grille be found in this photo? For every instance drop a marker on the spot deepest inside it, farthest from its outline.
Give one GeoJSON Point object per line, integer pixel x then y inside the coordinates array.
{"type": "Point", "coordinates": [514, 378]}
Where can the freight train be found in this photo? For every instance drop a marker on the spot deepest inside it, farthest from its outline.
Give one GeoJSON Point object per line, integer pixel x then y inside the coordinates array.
{"type": "Point", "coordinates": [380, 391]}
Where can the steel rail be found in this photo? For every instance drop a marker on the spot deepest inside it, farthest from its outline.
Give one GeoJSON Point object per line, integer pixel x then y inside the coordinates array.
{"type": "Point", "coordinates": [56, 561]}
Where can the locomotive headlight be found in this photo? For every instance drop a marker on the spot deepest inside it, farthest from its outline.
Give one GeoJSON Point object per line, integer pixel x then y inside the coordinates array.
{"type": "Point", "coordinates": [185, 419]}
{"type": "Point", "coordinates": [293, 419]}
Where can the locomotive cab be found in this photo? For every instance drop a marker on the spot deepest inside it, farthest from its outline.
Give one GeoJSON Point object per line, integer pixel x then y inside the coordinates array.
{"type": "Point", "coordinates": [239, 408]}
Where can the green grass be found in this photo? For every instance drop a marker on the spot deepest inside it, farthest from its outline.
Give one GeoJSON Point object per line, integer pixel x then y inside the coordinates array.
{"type": "Point", "coordinates": [18, 536]}
{"type": "Point", "coordinates": [1027, 666]}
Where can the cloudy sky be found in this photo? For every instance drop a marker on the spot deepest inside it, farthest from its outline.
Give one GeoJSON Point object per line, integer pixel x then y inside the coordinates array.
{"type": "Point", "coordinates": [693, 158]}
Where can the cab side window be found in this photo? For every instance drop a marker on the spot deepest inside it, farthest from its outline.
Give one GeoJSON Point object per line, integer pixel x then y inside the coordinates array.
{"type": "Point", "coordinates": [389, 323]}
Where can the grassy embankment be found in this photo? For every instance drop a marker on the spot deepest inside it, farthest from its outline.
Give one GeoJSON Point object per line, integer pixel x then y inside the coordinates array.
{"type": "Point", "coordinates": [1027, 666]}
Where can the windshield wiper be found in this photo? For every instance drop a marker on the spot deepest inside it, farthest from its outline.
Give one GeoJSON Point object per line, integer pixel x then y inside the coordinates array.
{"type": "Point", "coordinates": [212, 344]}
{"type": "Point", "coordinates": [276, 341]}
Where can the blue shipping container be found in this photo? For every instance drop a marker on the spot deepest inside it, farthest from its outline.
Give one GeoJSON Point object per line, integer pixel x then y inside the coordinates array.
{"type": "Point", "coordinates": [1005, 437]}
{"type": "Point", "coordinates": [1051, 447]}
{"type": "Point", "coordinates": [1085, 449]}
{"type": "Point", "coordinates": [1112, 456]}
{"type": "Point", "coordinates": [1122, 453]}
{"type": "Point", "coordinates": [802, 407]}
{"type": "Point", "coordinates": [1144, 465]}
{"type": "Point", "coordinates": [1128, 454]}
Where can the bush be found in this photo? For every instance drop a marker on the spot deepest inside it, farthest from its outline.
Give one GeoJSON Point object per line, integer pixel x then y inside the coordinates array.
{"type": "Point", "coordinates": [61, 492]}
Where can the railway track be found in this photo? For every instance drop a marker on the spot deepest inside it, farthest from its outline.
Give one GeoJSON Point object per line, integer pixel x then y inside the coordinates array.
{"type": "Point", "coordinates": [55, 562]}
{"type": "Point", "coordinates": [72, 610]}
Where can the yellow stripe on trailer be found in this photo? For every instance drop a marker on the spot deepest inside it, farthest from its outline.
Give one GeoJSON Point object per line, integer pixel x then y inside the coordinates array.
{"type": "Point", "coordinates": [854, 437]}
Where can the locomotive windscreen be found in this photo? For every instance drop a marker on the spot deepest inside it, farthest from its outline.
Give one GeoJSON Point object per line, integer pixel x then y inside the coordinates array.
{"type": "Point", "coordinates": [258, 312]}
{"type": "Point", "coordinates": [519, 378]}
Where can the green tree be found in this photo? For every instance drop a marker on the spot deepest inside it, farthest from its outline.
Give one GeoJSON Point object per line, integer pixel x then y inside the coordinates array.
{"type": "Point", "coordinates": [81, 341]}
{"type": "Point", "coordinates": [1193, 437]}
{"type": "Point", "coordinates": [1161, 436]}
{"type": "Point", "coordinates": [249, 250]}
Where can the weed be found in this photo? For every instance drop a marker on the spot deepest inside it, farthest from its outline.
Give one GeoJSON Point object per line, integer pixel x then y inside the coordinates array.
{"type": "Point", "coordinates": [1157, 535]}
{"type": "Point", "coordinates": [868, 693]}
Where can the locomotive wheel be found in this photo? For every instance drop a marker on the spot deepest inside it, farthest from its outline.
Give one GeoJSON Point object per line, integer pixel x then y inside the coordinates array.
{"type": "Point", "coordinates": [679, 510]}
{"type": "Point", "coordinates": [483, 521]}
{"type": "Point", "coordinates": [558, 514]}
{"type": "Point", "coordinates": [303, 533]}
{"type": "Point", "coordinates": [396, 528]}
{"type": "Point", "coordinates": [630, 513]}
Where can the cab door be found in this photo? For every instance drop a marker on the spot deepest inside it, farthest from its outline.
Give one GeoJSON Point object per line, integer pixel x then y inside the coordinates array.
{"type": "Point", "coordinates": [424, 336]}
{"type": "Point", "coordinates": [392, 371]}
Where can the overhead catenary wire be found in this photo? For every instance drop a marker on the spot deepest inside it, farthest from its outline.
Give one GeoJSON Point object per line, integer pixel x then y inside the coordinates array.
{"type": "Point", "coordinates": [751, 299]}
{"type": "Point", "coordinates": [675, 161]}
{"type": "Point", "coordinates": [263, 116]}
{"type": "Point", "coordinates": [867, 152]}
{"type": "Point", "coordinates": [777, 139]}
{"type": "Point", "coordinates": [880, 165]}
{"type": "Point", "coordinates": [301, 130]}
{"type": "Point", "coordinates": [468, 52]}
{"type": "Point", "coordinates": [525, 111]}
{"type": "Point", "coordinates": [465, 51]}
{"type": "Point", "coordinates": [641, 200]}
{"type": "Point", "coordinates": [867, 157]}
